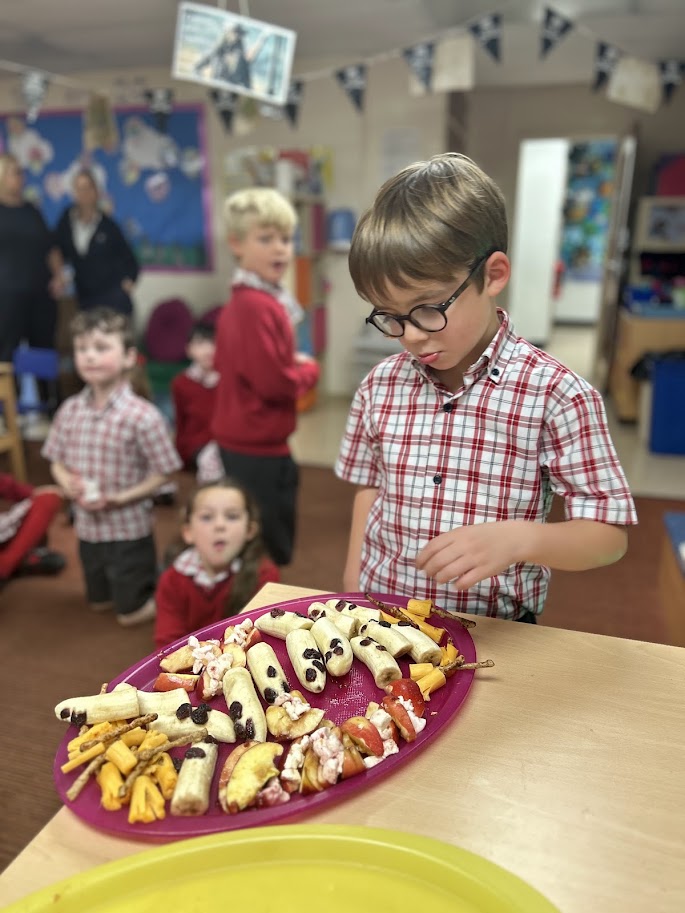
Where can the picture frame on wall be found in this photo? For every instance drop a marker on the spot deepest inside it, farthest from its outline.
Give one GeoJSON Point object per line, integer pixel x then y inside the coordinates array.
{"type": "Point", "coordinates": [218, 48]}
{"type": "Point", "coordinates": [660, 224]}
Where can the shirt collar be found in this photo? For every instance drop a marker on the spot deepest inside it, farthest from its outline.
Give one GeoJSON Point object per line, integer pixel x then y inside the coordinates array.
{"type": "Point", "coordinates": [118, 396]}
{"type": "Point", "coordinates": [252, 280]}
{"type": "Point", "coordinates": [190, 565]}
{"type": "Point", "coordinates": [208, 379]}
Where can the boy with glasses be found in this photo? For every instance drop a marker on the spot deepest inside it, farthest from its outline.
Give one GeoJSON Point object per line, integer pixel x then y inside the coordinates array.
{"type": "Point", "coordinates": [459, 443]}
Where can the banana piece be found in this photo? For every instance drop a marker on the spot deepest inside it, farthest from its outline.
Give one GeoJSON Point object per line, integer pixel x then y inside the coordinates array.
{"type": "Point", "coordinates": [377, 659]}
{"type": "Point", "coordinates": [161, 702]}
{"type": "Point", "coordinates": [119, 704]}
{"type": "Point", "coordinates": [279, 623]}
{"type": "Point", "coordinates": [307, 660]}
{"type": "Point", "coordinates": [218, 724]}
{"type": "Point", "coordinates": [335, 647]}
{"type": "Point", "coordinates": [423, 648]}
{"type": "Point", "coordinates": [361, 613]}
{"type": "Point", "coordinates": [347, 623]}
{"type": "Point", "coordinates": [191, 793]}
{"type": "Point", "coordinates": [384, 633]}
{"type": "Point", "coordinates": [244, 707]}
{"type": "Point", "coordinates": [267, 672]}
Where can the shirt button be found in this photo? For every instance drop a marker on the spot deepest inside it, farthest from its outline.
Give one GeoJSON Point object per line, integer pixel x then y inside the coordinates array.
{"type": "Point", "coordinates": [437, 479]}
{"type": "Point", "coordinates": [448, 407]}
{"type": "Point", "coordinates": [494, 372]}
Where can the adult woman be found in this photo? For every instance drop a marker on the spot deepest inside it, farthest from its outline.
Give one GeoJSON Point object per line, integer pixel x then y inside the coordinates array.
{"type": "Point", "coordinates": [30, 267]}
{"type": "Point", "coordinates": [105, 267]}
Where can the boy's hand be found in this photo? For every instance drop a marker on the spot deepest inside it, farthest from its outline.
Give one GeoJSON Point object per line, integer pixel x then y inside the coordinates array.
{"type": "Point", "coordinates": [104, 502]}
{"type": "Point", "coordinates": [72, 486]}
{"type": "Point", "coordinates": [470, 554]}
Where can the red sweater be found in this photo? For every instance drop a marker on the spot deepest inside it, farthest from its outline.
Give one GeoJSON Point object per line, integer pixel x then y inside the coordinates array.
{"type": "Point", "coordinates": [260, 381]}
{"type": "Point", "coordinates": [193, 407]}
{"type": "Point", "coordinates": [183, 606]}
{"type": "Point", "coordinates": [13, 490]}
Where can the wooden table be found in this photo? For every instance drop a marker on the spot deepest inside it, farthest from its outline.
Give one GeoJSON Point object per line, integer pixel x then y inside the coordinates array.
{"type": "Point", "coordinates": [566, 765]}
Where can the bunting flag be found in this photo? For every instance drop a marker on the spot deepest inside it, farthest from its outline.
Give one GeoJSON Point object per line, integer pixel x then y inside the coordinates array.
{"type": "Point", "coordinates": [554, 28]}
{"type": "Point", "coordinates": [160, 103]}
{"type": "Point", "coordinates": [293, 101]}
{"type": "Point", "coordinates": [488, 32]}
{"type": "Point", "coordinates": [34, 85]}
{"type": "Point", "coordinates": [420, 60]}
{"type": "Point", "coordinates": [353, 81]}
{"type": "Point", "coordinates": [671, 74]}
{"type": "Point", "coordinates": [225, 104]}
{"type": "Point", "coordinates": [606, 58]}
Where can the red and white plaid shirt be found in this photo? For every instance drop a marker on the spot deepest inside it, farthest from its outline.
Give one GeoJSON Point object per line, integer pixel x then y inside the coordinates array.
{"type": "Point", "coordinates": [521, 429]}
{"type": "Point", "coordinates": [118, 446]}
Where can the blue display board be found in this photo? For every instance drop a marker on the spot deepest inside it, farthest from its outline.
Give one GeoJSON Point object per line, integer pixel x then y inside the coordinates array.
{"type": "Point", "coordinates": [154, 184]}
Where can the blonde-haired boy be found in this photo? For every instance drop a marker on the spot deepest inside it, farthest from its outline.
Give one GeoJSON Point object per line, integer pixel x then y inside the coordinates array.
{"type": "Point", "coordinates": [260, 374]}
{"type": "Point", "coordinates": [459, 443]}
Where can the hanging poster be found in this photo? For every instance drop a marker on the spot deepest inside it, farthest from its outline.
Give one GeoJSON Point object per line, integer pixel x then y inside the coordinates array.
{"type": "Point", "coordinates": [154, 184]}
{"type": "Point", "coordinates": [227, 51]}
{"type": "Point", "coordinates": [587, 208]}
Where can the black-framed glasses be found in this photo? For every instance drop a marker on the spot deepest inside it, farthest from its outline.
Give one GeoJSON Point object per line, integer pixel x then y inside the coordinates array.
{"type": "Point", "coordinates": [431, 318]}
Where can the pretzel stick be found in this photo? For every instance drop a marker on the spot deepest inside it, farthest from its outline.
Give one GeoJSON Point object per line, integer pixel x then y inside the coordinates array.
{"type": "Point", "coordinates": [103, 688]}
{"type": "Point", "coordinates": [457, 666]}
{"type": "Point", "coordinates": [77, 786]}
{"type": "Point", "coordinates": [393, 610]}
{"type": "Point", "coordinates": [464, 622]}
{"type": "Point", "coordinates": [120, 730]}
{"type": "Point", "coordinates": [145, 757]}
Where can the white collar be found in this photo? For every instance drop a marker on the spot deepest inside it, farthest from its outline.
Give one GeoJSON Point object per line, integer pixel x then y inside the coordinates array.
{"type": "Point", "coordinates": [290, 303]}
{"type": "Point", "coordinates": [189, 564]}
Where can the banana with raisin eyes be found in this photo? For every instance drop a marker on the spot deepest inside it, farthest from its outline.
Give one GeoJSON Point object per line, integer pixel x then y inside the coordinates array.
{"type": "Point", "coordinates": [307, 660]}
{"type": "Point", "coordinates": [191, 793]}
{"type": "Point", "coordinates": [377, 659]}
{"type": "Point", "coordinates": [423, 648]}
{"type": "Point", "coordinates": [279, 623]}
{"type": "Point", "coordinates": [267, 672]}
{"type": "Point", "coordinates": [360, 612]}
{"type": "Point", "coordinates": [347, 623]}
{"type": "Point", "coordinates": [335, 647]}
{"type": "Point", "coordinates": [244, 707]}
{"type": "Point", "coordinates": [383, 632]}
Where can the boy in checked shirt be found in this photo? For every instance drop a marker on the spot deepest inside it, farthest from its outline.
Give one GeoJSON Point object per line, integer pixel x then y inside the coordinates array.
{"type": "Point", "coordinates": [110, 451]}
{"type": "Point", "coordinates": [459, 443]}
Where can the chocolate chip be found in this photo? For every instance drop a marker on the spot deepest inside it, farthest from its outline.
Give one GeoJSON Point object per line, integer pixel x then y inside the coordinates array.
{"type": "Point", "coordinates": [310, 675]}
{"type": "Point", "coordinates": [184, 711]}
{"type": "Point", "coordinates": [235, 711]}
{"type": "Point", "coordinates": [270, 695]}
{"type": "Point", "coordinates": [271, 672]}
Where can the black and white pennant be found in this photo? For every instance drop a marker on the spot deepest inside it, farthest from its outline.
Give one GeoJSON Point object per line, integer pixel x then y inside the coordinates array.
{"type": "Point", "coordinates": [353, 81]}
{"type": "Point", "coordinates": [488, 33]}
{"type": "Point", "coordinates": [671, 73]}
{"type": "Point", "coordinates": [554, 28]}
{"type": "Point", "coordinates": [225, 104]}
{"type": "Point", "coordinates": [606, 58]}
{"type": "Point", "coordinates": [160, 104]}
{"type": "Point", "coordinates": [293, 101]}
{"type": "Point", "coordinates": [34, 85]}
{"type": "Point", "coordinates": [420, 60]}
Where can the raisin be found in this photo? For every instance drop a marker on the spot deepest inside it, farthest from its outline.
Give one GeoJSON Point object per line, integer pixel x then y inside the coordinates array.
{"type": "Point", "coordinates": [340, 604]}
{"type": "Point", "coordinates": [64, 713]}
{"type": "Point", "coordinates": [195, 753]}
{"type": "Point", "coordinates": [404, 624]}
{"type": "Point", "coordinates": [329, 653]}
{"type": "Point", "coordinates": [285, 687]}
{"type": "Point", "coordinates": [177, 762]}
{"type": "Point", "coordinates": [235, 711]}
{"type": "Point", "coordinates": [310, 675]}
{"type": "Point", "coordinates": [184, 711]}
{"type": "Point", "coordinates": [249, 729]}
{"type": "Point", "coordinates": [335, 642]}
{"type": "Point", "coordinates": [199, 714]}
{"type": "Point", "coordinates": [301, 615]}
{"type": "Point", "coordinates": [380, 647]}
{"type": "Point", "coordinates": [210, 740]}
{"type": "Point", "coordinates": [318, 665]}
{"type": "Point", "coordinates": [78, 718]}
{"type": "Point", "coordinates": [353, 605]}
{"type": "Point", "coordinates": [310, 653]}
{"type": "Point", "coordinates": [276, 613]}
{"type": "Point", "coordinates": [315, 613]}
{"type": "Point", "coordinates": [271, 672]}
{"type": "Point", "coordinates": [338, 651]}
{"type": "Point", "coordinates": [384, 624]}
{"type": "Point", "coordinates": [270, 695]}
{"type": "Point", "coordinates": [239, 731]}
{"type": "Point", "coordinates": [365, 642]}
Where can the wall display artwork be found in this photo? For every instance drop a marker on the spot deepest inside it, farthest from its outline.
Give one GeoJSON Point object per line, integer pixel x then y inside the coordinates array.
{"type": "Point", "coordinates": [154, 184]}
{"type": "Point", "coordinates": [587, 208]}
{"type": "Point", "coordinates": [227, 51]}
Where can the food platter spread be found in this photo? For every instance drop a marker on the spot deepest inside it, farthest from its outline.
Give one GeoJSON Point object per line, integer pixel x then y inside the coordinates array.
{"type": "Point", "coordinates": [343, 703]}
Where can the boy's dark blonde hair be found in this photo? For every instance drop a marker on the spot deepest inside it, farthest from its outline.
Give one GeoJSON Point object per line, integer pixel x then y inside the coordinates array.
{"type": "Point", "coordinates": [107, 321]}
{"type": "Point", "coordinates": [428, 222]}
{"type": "Point", "coordinates": [262, 206]}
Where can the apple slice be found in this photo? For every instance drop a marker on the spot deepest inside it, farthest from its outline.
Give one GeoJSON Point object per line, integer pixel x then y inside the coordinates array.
{"type": "Point", "coordinates": [168, 681]}
{"type": "Point", "coordinates": [364, 735]}
{"type": "Point", "coordinates": [238, 654]}
{"type": "Point", "coordinates": [253, 770]}
{"type": "Point", "coordinates": [281, 726]}
{"type": "Point", "coordinates": [410, 691]}
{"type": "Point", "coordinates": [400, 717]}
{"type": "Point", "coordinates": [353, 762]}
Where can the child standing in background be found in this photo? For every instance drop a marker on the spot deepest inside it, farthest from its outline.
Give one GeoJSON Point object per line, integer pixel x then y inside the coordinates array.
{"type": "Point", "coordinates": [109, 451]}
{"type": "Point", "coordinates": [222, 568]}
{"type": "Point", "coordinates": [194, 395]}
{"type": "Point", "coordinates": [260, 374]}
